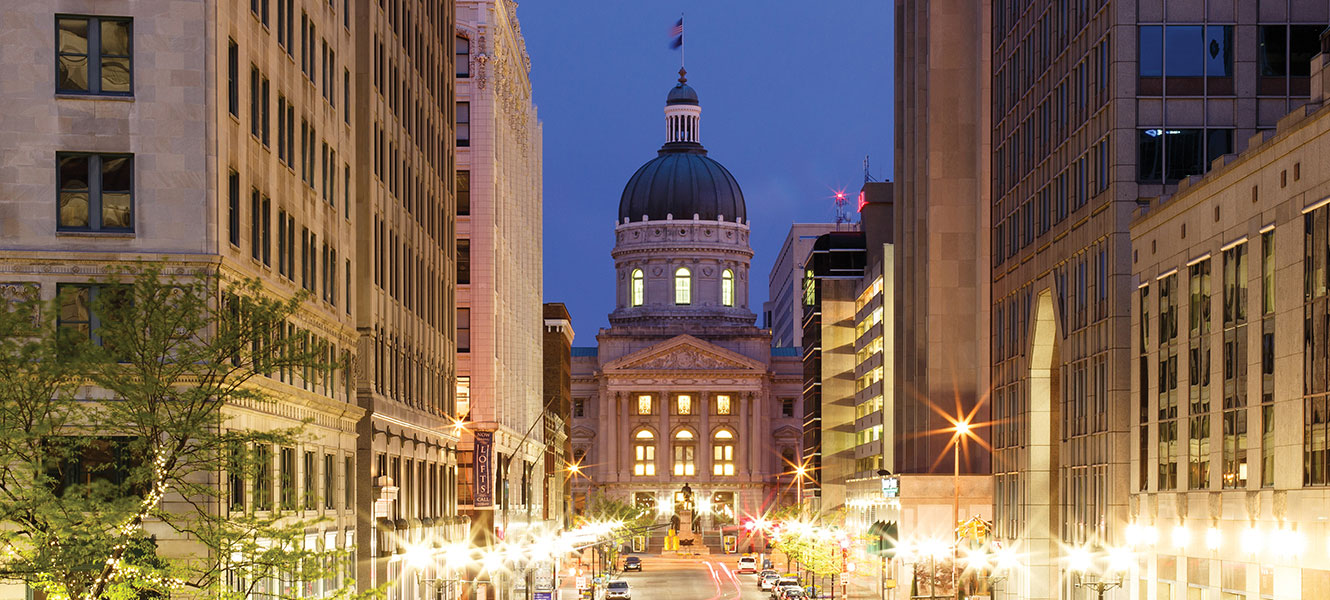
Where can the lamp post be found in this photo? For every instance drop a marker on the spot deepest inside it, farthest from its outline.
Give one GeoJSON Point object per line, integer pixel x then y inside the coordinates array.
{"type": "Point", "coordinates": [962, 429]}
{"type": "Point", "coordinates": [1082, 561]}
{"type": "Point", "coordinates": [799, 473]}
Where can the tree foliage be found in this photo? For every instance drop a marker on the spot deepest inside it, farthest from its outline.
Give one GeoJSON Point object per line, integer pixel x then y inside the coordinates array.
{"type": "Point", "coordinates": [116, 435]}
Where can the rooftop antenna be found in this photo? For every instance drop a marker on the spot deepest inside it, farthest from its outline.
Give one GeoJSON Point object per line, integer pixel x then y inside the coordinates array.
{"type": "Point", "coordinates": [841, 217]}
{"type": "Point", "coordinates": [868, 177]}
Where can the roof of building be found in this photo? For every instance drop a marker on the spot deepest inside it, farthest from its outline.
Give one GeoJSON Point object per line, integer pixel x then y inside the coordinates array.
{"type": "Point", "coordinates": [682, 181]}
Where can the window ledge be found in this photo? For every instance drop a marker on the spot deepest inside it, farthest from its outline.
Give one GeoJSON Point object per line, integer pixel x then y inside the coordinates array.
{"type": "Point", "coordinates": [128, 235]}
{"type": "Point", "coordinates": [110, 97]}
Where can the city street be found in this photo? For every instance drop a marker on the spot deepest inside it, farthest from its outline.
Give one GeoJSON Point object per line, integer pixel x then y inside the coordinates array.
{"type": "Point", "coordinates": [691, 578]}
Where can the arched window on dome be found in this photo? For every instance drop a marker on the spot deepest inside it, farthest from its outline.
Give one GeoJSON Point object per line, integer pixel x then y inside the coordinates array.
{"type": "Point", "coordinates": [683, 286]}
{"type": "Point", "coordinates": [727, 288]}
{"type": "Point", "coordinates": [722, 452]}
{"type": "Point", "coordinates": [644, 453]}
{"type": "Point", "coordinates": [639, 288]}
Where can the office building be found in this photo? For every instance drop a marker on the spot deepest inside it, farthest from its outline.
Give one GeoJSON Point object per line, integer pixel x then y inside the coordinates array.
{"type": "Point", "coordinates": [1229, 484]}
{"type": "Point", "coordinates": [1096, 105]}
{"type": "Point", "coordinates": [783, 312]}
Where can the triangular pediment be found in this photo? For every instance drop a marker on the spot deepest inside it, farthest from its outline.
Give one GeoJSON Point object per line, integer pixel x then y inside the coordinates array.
{"type": "Point", "coordinates": [684, 353]}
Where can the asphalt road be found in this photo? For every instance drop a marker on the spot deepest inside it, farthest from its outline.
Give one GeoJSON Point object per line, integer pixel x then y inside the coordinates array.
{"type": "Point", "coordinates": [693, 578]}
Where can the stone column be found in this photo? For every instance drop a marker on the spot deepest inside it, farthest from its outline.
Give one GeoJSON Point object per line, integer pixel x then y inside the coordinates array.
{"type": "Point", "coordinates": [743, 457]}
{"type": "Point", "coordinates": [666, 440]}
{"type": "Point", "coordinates": [614, 441]}
{"type": "Point", "coordinates": [704, 436]}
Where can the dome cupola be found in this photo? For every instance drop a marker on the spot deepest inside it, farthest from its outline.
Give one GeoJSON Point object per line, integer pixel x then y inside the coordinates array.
{"type": "Point", "coordinates": [682, 180]}
{"type": "Point", "coordinates": [681, 248]}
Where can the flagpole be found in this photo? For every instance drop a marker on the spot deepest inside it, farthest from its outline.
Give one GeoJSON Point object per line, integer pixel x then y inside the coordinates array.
{"type": "Point", "coordinates": [681, 40]}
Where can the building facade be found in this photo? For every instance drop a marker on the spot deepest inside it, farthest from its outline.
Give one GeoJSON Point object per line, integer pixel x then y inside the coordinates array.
{"type": "Point", "coordinates": [401, 178]}
{"type": "Point", "coordinates": [1229, 310]}
{"type": "Point", "coordinates": [499, 276]}
{"type": "Point", "coordinates": [682, 387]}
{"type": "Point", "coordinates": [1095, 105]}
{"type": "Point", "coordinates": [940, 222]}
{"type": "Point", "coordinates": [151, 132]}
{"type": "Point", "coordinates": [783, 313]}
{"type": "Point", "coordinates": [557, 369]}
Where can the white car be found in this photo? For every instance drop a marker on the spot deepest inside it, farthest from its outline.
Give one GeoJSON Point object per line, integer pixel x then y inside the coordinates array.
{"type": "Point", "coordinates": [618, 590]}
{"type": "Point", "coordinates": [747, 564]}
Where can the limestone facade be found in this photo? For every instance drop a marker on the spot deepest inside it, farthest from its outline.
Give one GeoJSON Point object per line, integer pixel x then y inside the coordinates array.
{"type": "Point", "coordinates": [499, 235]}
{"type": "Point", "coordinates": [1229, 476]}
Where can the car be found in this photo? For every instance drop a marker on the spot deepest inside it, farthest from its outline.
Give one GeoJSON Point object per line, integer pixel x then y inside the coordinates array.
{"type": "Point", "coordinates": [632, 563]}
{"type": "Point", "coordinates": [747, 564]}
{"type": "Point", "coordinates": [767, 580]}
{"type": "Point", "coordinates": [791, 592]}
{"type": "Point", "coordinates": [783, 582]}
{"type": "Point", "coordinates": [618, 589]}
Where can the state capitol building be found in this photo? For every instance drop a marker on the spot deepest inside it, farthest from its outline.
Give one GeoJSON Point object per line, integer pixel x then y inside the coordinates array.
{"type": "Point", "coordinates": [682, 388]}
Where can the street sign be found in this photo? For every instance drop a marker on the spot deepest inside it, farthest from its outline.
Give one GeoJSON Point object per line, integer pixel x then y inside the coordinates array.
{"type": "Point", "coordinates": [543, 596]}
{"type": "Point", "coordinates": [581, 582]}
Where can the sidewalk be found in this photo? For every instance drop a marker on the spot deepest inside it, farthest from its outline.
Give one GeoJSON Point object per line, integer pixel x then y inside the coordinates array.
{"type": "Point", "coordinates": [860, 585]}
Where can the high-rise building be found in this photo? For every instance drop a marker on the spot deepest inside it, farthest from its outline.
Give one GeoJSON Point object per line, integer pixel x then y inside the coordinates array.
{"type": "Point", "coordinates": [783, 312]}
{"type": "Point", "coordinates": [1096, 105]}
{"type": "Point", "coordinates": [682, 387]}
{"type": "Point", "coordinates": [402, 208]}
{"type": "Point", "coordinates": [267, 140]}
{"type": "Point", "coordinates": [499, 272]}
{"type": "Point", "coordinates": [941, 220]}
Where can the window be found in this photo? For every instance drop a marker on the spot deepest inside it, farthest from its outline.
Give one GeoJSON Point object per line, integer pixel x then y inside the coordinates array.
{"type": "Point", "coordinates": [1268, 358]}
{"type": "Point", "coordinates": [722, 453]}
{"type": "Point", "coordinates": [1178, 59]}
{"type": "Point", "coordinates": [644, 453]}
{"type": "Point", "coordinates": [463, 262]}
{"type": "Point", "coordinates": [1169, 155]}
{"type": "Point", "coordinates": [1198, 363]}
{"type": "Point", "coordinates": [1287, 50]}
{"type": "Point", "coordinates": [683, 404]}
{"type": "Point", "coordinates": [1235, 368]}
{"type": "Point", "coordinates": [233, 77]}
{"type": "Point", "coordinates": [263, 481]}
{"type": "Point", "coordinates": [233, 208]}
{"type": "Point", "coordinates": [93, 55]}
{"type": "Point", "coordinates": [463, 397]}
{"type": "Point", "coordinates": [311, 498]}
{"type": "Point", "coordinates": [235, 468]}
{"type": "Point", "coordinates": [645, 406]}
{"type": "Point", "coordinates": [255, 105]}
{"type": "Point", "coordinates": [639, 287]}
{"type": "Point", "coordinates": [722, 404]}
{"type": "Point", "coordinates": [463, 124]}
{"type": "Point", "coordinates": [1168, 384]}
{"type": "Point", "coordinates": [78, 318]}
{"type": "Point", "coordinates": [685, 450]}
{"type": "Point", "coordinates": [348, 482]}
{"type": "Point", "coordinates": [329, 481]}
{"type": "Point", "coordinates": [463, 329]}
{"type": "Point", "coordinates": [255, 224]}
{"type": "Point", "coordinates": [787, 407]}
{"type": "Point", "coordinates": [95, 192]}
{"type": "Point", "coordinates": [579, 407]}
{"type": "Point", "coordinates": [727, 288]}
{"type": "Point", "coordinates": [463, 193]}
{"type": "Point", "coordinates": [683, 286]}
{"type": "Point", "coordinates": [462, 56]}
{"type": "Point", "coordinates": [1316, 313]}
{"type": "Point", "coordinates": [288, 479]}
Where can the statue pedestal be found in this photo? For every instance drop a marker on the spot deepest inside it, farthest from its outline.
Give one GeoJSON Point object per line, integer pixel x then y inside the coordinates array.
{"type": "Point", "coordinates": [687, 541]}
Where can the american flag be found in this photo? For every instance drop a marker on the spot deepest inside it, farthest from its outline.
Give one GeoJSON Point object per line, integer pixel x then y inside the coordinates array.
{"type": "Point", "coordinates": [676, 34]}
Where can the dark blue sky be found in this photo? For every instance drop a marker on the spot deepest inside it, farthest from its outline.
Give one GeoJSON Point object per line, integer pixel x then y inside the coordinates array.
{"type": "Point", "coordinates": [793, 95]}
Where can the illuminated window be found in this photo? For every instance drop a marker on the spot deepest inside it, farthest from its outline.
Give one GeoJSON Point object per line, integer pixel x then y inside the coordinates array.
{"type": "Point", "coordinates": [683, 404]}
{"type": "Point", "coordinates": [810, 288]}
{"type": "Point", "coordinates": [683, 286]}
{"type": "Point", "coordinates": [644, 453]}
{"type": "Point", "coordinates": [722, 404]}
{"type": "Point", "coordinates": [639, 288]}
{"type": "Point", "coordinates": [722, 453]}
{"type": "Point", "coordinates": [644, 404]}
{"type": "Point", "coordinates": [727, 288]}
{"type": "Point", "coordinates": [463, 396]}
{"type": "Point", "coordinates": [685, 450]}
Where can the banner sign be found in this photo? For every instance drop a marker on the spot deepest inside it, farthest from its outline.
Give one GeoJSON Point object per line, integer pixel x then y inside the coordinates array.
{"type": "Point", "coordinates": [482, 493]}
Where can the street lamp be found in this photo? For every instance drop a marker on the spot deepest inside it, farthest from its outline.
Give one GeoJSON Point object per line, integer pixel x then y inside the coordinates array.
{"type": "Point", "coordinates": [962, 429]}
{"type": "Point", "coordinates": [800, 472]}
{"type": "Point", "coordinates": [1081, 561]}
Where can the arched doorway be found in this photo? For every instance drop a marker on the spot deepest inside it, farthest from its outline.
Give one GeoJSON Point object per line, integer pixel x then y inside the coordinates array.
{"type": "Point", "coordinates": [1040, 477]}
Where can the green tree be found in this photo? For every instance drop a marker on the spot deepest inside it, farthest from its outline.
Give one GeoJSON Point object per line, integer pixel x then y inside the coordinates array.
{"type": "Point", "coordinates": [115, 435]}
